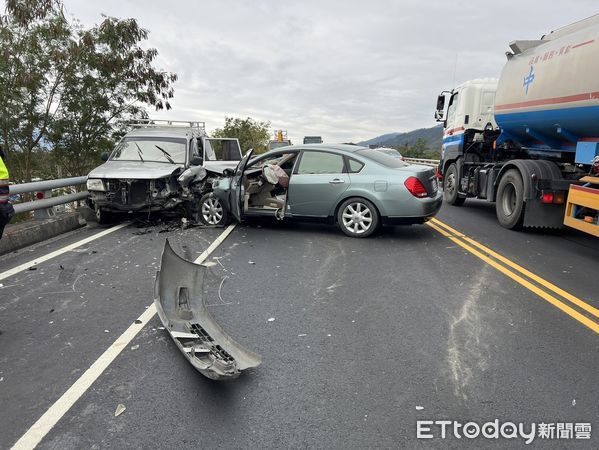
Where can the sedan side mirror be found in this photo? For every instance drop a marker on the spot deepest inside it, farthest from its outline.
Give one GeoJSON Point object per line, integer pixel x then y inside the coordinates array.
{"type": "Point", "coordinates": [196, 161]}
{"type": "Point", "coordinates": [104, 156]}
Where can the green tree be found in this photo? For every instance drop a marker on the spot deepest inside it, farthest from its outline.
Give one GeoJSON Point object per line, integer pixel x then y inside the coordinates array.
{"type": "Point", "coordinates": [63, 88]}
{"type": "Point", "coordinates": [251, 133]}
{"type": "Point", "coordinates": [34, 44]}
{"type": "Point", "coordinates": [112, 79]}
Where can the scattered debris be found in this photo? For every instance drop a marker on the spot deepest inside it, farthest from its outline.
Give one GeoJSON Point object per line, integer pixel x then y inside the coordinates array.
{"type": "Point", "coordinates": [271, 319]}
{"type": "Point", "coordinates": [574, 402]}
{"type": "Point", "coordinates": [61, 268]}
{"type": "Point", "coordinates": [302, 335]}
{"type": "Point", "coordinates": [135, 347]}
{"type": "Point", "coordinates": [419, 408]}
{"type": "Point", "coordinates": [106, 331]}
{"type": "Point", "coordinates": [181, 306]}
{"type": "Point", "coordinates": [142, 232]}
{"type": "Point", "coordinates": [51, 311]}
{"type": "Point", "coordinates": [161, 328]}
{"type": "Point", "coordinates": [328, 335]}
{"type": "Point", "coordinates": [251, 262]}
{"type": "Point", "coordinates": [137, 321]}
{"type": "Point", "coordinates": [33, 268]}
{"type": "Point", "coordinates": [120, 409]}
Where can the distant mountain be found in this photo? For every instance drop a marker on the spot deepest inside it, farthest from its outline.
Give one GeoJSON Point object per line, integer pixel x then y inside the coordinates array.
{"type": "Point", "coordinates": [432, 136]}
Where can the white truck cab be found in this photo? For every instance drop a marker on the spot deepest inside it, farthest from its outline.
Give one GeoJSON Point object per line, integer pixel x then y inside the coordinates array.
{"type": "Point", "coordinates": [470, 108]}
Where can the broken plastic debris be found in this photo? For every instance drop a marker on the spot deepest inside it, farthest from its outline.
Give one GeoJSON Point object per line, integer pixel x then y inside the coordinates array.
{"type": "Point", "coordinates": [574, 402]}
{"type": "Point", "coordinates": [106, 331]}
{"type": "Point", "coordinates": [251, 262]}
{"type": "Point", "coordinates": [120, 409]}
{"type": "Point", "coordinates": [420, 408]}
{"type": "Point", "coordinates": [161, 328]}
{"type": "Point", "coordinates": [137, 321]}
{"type": "Point", "coordinates": [135, 347]}
{"type": "Point", "coordinates": [302, 335]}
{"type": "Point", "coordinates": [180, 303]}
{"type": "Point", "coordinates": [209, 264]}
{"type": "Point", "coordinates": [328, 335]}
{"type": "Point", "coordinates": [33, 268]}
{"type": "Point", "coordinates": [271, 319]}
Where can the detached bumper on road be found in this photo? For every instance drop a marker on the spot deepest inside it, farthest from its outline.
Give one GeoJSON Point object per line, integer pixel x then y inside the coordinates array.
{"type": "Point", "coordinates": [179, 300]}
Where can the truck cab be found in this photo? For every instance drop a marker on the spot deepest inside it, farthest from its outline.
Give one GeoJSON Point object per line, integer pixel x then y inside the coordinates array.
{"type": "Point", "coordinates": [469, 113]}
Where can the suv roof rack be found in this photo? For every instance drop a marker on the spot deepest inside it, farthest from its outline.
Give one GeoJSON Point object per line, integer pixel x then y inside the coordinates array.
{"type": "Point", "coordinates": [150, 123]}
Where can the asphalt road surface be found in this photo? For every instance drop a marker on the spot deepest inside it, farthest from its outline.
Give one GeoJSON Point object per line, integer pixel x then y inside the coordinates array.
{"type": "Point", "coordinates": [360, 338]}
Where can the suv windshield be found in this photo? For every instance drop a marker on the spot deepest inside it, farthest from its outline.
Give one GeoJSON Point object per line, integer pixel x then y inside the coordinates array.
{"type": "Point", "coordinates": [382, 158]}
{"type": "Point", "coordinates": [164, 150]}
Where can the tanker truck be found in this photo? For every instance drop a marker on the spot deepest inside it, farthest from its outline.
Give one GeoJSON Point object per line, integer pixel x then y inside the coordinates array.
{"type": "Point", "coordinates": [529, 141]}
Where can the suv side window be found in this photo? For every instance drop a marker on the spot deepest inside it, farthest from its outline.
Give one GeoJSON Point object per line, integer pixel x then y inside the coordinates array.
{"type": "Point", "coordinates": [314, 162]}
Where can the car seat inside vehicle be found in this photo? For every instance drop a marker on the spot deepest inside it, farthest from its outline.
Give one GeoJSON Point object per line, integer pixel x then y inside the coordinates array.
{"type": "Point", "coordinates": [266, 186]}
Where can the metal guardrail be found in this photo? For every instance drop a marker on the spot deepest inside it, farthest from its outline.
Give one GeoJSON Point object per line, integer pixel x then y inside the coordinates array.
{"type": "Point", "coordinates": [44, 208]}
{"type": "Point", "coordinates": [426, 162]}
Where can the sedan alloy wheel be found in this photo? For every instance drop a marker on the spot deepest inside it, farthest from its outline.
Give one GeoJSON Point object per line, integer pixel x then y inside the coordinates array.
{"type": "Point", "coordinates": [358, 217]}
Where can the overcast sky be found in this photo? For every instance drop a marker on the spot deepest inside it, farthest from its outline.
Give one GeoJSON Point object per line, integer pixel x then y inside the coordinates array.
{"type": "Point", "coordinates": [347, 70]}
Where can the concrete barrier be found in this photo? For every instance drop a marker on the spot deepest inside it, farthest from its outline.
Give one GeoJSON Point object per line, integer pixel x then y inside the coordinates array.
{"type": "Point", "coordinates": [22, 234]}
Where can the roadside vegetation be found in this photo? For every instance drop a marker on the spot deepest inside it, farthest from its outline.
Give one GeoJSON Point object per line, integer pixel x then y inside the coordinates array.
{"type": "Point", "coordinates": [66, 90]}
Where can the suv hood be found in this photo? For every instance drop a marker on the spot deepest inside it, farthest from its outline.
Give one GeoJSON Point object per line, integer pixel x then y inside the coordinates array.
{"type": "Point", "coordinates": [137, 170]}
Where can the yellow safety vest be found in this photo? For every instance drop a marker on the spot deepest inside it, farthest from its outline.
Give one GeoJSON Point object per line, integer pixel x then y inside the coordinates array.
{"type": "Point", "coordinates": [3, 171]}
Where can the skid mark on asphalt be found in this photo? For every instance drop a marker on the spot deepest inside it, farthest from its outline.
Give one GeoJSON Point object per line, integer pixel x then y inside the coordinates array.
{"type": "Point", "coordinates": [586, 315]}
{"type": "Point", "coordinates": [467, 353]}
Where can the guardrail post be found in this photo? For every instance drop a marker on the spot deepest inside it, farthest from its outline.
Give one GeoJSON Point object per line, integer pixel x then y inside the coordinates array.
{"type": "Point", "coordinates": [44, 213]}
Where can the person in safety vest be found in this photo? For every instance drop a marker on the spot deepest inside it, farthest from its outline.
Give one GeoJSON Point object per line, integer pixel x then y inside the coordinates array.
{"type": "Point", "coordinates": [6, 209]}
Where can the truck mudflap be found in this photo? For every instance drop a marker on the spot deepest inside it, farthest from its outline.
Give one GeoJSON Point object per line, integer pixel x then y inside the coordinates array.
{"type": "Point", "coordinates": [179, 299]}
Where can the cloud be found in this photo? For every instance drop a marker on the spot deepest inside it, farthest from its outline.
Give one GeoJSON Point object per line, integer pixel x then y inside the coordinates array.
{"type": "Point", "coordinates": [346, 70]}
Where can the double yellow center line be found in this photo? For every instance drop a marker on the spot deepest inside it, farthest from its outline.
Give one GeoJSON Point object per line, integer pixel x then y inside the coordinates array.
{"type": "Point", "coordinates": [568, 303]}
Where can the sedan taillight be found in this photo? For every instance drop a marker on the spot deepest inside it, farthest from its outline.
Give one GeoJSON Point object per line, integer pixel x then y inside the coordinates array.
{"type": "Point", "coordinates": [416, 188]}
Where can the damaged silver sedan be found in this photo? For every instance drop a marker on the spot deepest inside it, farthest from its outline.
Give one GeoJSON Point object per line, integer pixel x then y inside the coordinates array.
{"type": "Point", "coordinates": [162, 166]}
{"type": "Point", "coordinates": [179, 299]}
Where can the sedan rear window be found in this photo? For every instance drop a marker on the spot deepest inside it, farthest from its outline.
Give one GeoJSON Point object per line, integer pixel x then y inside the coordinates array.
{"type": "Point", "coordinates": [382, 158]}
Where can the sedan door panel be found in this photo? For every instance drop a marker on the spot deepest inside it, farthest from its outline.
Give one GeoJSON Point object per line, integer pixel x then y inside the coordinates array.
{"type": "Point", "coordinates": [317, 184]}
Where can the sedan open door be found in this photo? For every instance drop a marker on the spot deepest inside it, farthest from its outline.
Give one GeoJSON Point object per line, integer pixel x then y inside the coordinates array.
{"type": "Point", "coordinates": [237, 190]}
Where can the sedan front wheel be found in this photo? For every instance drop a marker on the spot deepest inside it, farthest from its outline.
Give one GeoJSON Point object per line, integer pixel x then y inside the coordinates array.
{"type": "Point", "coordinates": [358, 217]}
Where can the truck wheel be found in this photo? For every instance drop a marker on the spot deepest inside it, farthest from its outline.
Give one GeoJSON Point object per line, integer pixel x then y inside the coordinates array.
{"type": "Point", "coordinates": [103, 217]}
{"type": "Point", "coordinates": [212, 212]}
{"type": "Point", "coordinates": [451, 181]}
{"type": "Point", "coordinates": [509, 205]}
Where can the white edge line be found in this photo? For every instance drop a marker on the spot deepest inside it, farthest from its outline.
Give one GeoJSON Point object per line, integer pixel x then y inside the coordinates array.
{"type": "Point", "coordinates": [46, 422]}
{"type": "Point", "coordinates": [60, 251]}
{"type": "Point", "coordinates": [219, 240]}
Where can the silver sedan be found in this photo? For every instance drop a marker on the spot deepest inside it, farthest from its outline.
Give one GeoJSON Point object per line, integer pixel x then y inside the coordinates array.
{"type": "Point", "coordinates": [358, 188]}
